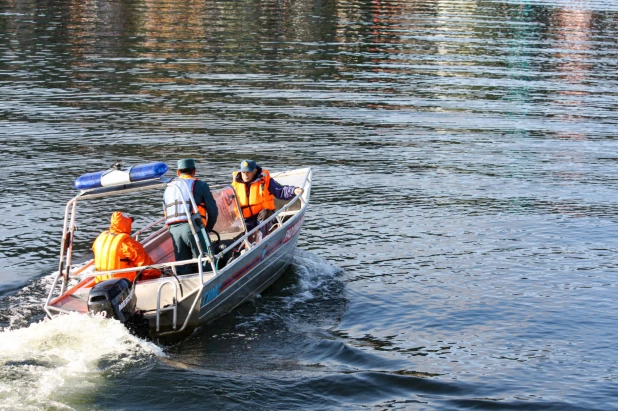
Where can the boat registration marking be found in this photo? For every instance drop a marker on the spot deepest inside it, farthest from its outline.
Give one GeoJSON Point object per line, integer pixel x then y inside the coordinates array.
{"type": "Point", "coordinates": [210, 295]}
{"type": "Point", "coordinates": [293, 230]}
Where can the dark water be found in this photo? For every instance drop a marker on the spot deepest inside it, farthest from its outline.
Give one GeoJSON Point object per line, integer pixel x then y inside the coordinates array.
{"type": "Point", "coordinates": [460, 248]}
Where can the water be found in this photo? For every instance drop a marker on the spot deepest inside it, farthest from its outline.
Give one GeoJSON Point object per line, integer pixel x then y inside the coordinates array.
{"type": "Point", "coordinates": [459, 250]}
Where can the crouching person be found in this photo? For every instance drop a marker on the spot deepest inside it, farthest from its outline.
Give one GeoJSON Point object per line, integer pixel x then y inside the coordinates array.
{"type": "Point", "coordinates": [115, 249]}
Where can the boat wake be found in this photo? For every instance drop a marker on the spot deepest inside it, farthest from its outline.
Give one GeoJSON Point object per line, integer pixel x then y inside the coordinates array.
{"type": "Point", "coordinates": [311, 281]}
{"type": "Point", "coordinates": [57, 363]}
{"type": "Point", "coordinates": [26, 305]}
{"type": "Point", "coordinates": [44, 363]}
{"type": "Point", "coordinates": [313, 273]}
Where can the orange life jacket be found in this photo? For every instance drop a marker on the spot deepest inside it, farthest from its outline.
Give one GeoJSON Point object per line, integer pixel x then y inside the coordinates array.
{"type": "Point", "coordinates": [107, 255]}
{"type": "Point", "coordinates": [258, 198]}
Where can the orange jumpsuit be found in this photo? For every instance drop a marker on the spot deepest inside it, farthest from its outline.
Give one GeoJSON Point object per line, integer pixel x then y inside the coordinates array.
{"type": "Point", "coordinates": [115, 249]}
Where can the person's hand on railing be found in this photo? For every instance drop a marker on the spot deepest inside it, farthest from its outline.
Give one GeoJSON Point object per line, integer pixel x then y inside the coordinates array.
{"type": "Point", "coordinates": [264, 215]}
{"type": "Point", "coordinates": [298, 191]}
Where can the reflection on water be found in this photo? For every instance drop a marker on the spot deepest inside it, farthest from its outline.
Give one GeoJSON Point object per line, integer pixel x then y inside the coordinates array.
{"type": "Point", "coordinates": [464, 156]}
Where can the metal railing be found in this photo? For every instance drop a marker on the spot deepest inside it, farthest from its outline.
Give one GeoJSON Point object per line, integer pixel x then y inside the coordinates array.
{"type": "Point", "coordinates": [174, 305]}
{"type": "Point", "coordinates": [278, 216]}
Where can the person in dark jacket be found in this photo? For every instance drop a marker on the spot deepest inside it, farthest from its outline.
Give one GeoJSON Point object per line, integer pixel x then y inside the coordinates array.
{"type": "Point", "coordinates": [257, 191]}
{"type": "Point", "coordinates": [176, 200]}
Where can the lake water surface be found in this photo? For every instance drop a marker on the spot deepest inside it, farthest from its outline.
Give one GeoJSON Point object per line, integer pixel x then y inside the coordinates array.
{"type": "Point", "coordinates": [460, 245]}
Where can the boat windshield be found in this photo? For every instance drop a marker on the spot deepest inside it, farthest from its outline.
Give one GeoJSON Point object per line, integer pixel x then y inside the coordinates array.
{"type": "Point", "coordinates": [229, 222]}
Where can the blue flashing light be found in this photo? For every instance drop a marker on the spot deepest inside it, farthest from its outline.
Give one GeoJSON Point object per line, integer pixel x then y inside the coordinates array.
{"type": "Point", "coordinates": [90, 180]}
{"type": "Point", "coordinates": [114, 176]}
{"type": "Point", "coordinates": [147, 171]}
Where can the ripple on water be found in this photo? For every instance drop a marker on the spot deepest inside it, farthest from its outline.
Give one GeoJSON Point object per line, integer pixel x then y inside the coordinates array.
{"type": "Point", "coordinates": [464, 157]}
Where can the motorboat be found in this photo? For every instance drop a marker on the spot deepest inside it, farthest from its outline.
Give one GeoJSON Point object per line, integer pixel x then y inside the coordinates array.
{"type": "Point", "coordinates": [236, 265]}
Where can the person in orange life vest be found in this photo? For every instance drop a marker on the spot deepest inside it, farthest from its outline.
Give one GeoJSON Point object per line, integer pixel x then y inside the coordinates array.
{"type": "Point", "coordinates": [174, 202]}
{"type": "Point", "coordinates": [115, 249]}
{"type": "Point", "coordinates": [256, 193]}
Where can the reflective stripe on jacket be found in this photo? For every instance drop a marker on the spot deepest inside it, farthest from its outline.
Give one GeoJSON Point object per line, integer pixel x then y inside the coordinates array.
{"type": "Point", "coordinates": [108, 255]}
{"type": "Point", "coordinates": [175, 205]}
{"type": "Point", "coordinates": [258, 198]}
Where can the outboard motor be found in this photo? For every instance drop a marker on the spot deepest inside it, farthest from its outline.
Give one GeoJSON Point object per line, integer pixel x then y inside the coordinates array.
{"type": "Point", "coordinates": [114, 298]}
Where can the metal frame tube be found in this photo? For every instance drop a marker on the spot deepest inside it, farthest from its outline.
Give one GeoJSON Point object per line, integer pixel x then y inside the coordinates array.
{"type": "Point", "coordinates": [197, 298]}
{"type": "Point", "coordinates": [190, 222]}
{"type": "Point", "coordinates": [174, 307]}
{"type": "Point", "coordinates": [149, 226]}
{"type": "Point", "coordinates": [145, 267]}
{"type": "Point", "coordinates": [70, 250]}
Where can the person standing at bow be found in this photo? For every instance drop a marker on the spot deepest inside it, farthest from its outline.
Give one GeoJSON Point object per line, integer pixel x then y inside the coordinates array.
{"type": "Point", "coordinates": [115, 249]}
{"type": "Point", "coordinates": [256, 193]}
{"type": "Point", "coordinates": [176, 202]}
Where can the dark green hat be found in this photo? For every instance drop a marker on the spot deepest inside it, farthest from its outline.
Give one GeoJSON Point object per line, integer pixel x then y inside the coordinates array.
{"type": "Point", "coordinates": [248, 166]}
{"type": "Point", "coordinates": [186, 163]}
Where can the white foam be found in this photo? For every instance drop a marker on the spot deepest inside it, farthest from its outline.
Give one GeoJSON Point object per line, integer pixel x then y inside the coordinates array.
{"type": "Point", "coordinates": [313, 272]}
{"type": "Point", "coordinates": [27, 302]}
{"type": "Point", "coordinates": [256, 319]}
{"type": "Point", "coordinates": [53, 359]}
